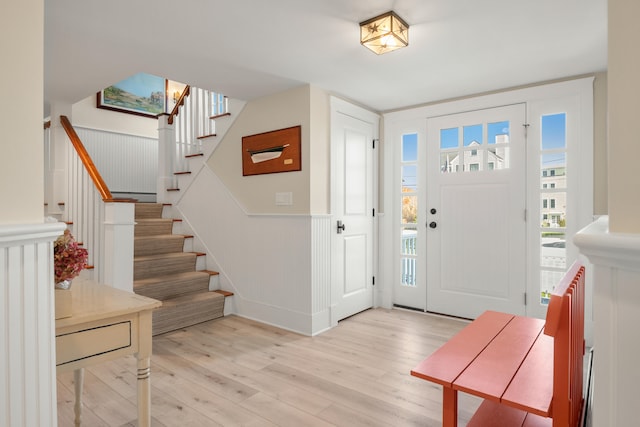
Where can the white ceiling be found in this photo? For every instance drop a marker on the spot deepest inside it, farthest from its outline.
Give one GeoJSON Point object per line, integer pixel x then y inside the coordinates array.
{"type": "Point", "coordinates": [251, 48]}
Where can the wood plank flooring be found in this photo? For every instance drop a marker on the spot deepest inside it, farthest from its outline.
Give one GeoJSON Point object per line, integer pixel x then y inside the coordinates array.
{"type": "Point", "coordinates": [236, 372]}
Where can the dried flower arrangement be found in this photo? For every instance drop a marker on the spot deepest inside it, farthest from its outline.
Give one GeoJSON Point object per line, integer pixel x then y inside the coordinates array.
{"type": "Point", "coordinates": [69, 259]}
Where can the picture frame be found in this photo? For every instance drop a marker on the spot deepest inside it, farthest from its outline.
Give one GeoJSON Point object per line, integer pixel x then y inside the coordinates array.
{"type": "Point", "coordinates": [272, 152]}
{"type": "Point", "coordinates": [141, 94]}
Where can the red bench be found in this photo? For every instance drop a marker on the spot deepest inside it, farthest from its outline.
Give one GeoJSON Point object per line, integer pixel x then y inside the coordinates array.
{"type": "Point", "coordinates": [529, 371]}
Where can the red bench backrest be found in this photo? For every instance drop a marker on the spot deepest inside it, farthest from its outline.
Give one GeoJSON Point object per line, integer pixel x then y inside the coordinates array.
{"type": "Point", "coordinates": [565, 323]}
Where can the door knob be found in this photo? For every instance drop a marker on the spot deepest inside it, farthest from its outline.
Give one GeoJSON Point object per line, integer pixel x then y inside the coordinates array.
{"type": "Point", "coordinates": [340, 227]}
{"type": "Point", "coordinates": [433, 224]}
{"type": "Point", "coordinates": [433, 211]}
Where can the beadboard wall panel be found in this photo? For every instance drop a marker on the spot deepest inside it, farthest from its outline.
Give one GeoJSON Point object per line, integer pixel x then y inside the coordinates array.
{"type": "Point", "coordinates": [27, 365]}
{"type": "Point", "coordinates": [127, 163]}
{"type": "Point", "coordinates": [321, 226]}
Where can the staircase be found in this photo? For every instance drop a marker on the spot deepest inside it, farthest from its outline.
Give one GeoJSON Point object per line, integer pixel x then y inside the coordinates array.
{"type": "Point", "coordinates": [164, 271]}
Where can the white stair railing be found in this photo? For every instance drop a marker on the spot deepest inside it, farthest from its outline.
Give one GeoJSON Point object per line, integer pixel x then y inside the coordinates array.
{"type": "Point", "coordinates": [194, 121]}
{"type": "Point", "coordinates": [184, 131]}
{"type": "Point", "coordinates": [103, 225]}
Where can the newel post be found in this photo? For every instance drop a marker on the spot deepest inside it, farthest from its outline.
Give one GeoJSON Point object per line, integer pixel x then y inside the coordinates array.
{"type": "Point", "coordinates": [166, 156]}
{"type": "Point", "coordinates": [118, 245]}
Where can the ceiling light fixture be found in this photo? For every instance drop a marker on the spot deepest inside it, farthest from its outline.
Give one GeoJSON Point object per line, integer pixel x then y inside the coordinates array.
{"type": "Point", "coordinates": [384, 33]}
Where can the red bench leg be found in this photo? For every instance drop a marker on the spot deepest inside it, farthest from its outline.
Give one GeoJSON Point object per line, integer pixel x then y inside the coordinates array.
{"type": "Point", "coordinates": [449, 407]}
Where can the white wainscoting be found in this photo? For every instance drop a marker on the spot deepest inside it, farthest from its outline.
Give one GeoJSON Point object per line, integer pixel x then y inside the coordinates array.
{"type": "Point", "coordinates": [321, 229]}
{"type": "Point", "coordinates": [616, 314]}
{"type": "Point", "coordinates": [266, 260]}
{"type": "Point", "coordinates": [127, 163]}
{"type": "Point", "coordinates": [27, 344]}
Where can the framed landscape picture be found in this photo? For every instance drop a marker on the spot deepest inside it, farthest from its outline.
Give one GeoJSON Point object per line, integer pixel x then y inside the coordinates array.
{"type": "Point", "coordinates": [141, 94]}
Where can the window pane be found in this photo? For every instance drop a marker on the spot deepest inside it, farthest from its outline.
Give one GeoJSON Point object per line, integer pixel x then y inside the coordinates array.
{"type": "Point", "coordinates": [553, 251]}
{"type": "Point", "coordinates": [408, 271]}
{"type": "Point", "coordinates": [553, 209]}
{"type": "Point", "coordinates": [445, 162]}
{"type": "Point", "coordinates": [410, 147]}
{"type": "Point", "coordinates": [498, 133]}
{"type": "Point", "coordinates": [548, 279]}
{"type": "Point", "coordinates": [472, 135]}
{"type": "Point", "coordinates": [499, 156]}
{"type": "Point", "coordinates": [408, 241]}
{"type": "Point", "coordinates": [554, 133]}
{"type": "Point", "coordinates": [409, 178]}
{"type": "Point", "coordinates": [553, 170]}
{"type": "Point", "coordinates": [448, 138]}
{"type": "Point", "coordinates": [409, 209]}
{"type": "Point", "coordinates": [408, 256]}
{"type": "Point", "coordinates": [473, 160]}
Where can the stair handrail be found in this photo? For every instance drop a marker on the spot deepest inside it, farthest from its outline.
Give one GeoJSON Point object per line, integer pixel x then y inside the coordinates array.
{"type": "Point", "coordinates": [180, 102]}
{"type": "Point", "coordinates": [101, 186]}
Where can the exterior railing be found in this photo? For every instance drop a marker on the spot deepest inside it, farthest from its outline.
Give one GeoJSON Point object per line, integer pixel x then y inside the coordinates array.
{"type": "Point", "coordinates": [408, 260]}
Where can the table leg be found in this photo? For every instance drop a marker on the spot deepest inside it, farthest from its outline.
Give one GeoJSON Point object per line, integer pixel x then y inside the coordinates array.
{"type": "Point", "coordinates": [78, 380]}
{"type": "Point", "coordinates": [449, 407]}
{"type": "Point", "coordinates": [144, 392]}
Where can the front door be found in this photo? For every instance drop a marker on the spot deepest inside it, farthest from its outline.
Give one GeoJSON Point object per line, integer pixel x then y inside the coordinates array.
{"type": "Point", "coordinates": [352, 206]}
{"type": "Point", "coordinates": [475, 212]}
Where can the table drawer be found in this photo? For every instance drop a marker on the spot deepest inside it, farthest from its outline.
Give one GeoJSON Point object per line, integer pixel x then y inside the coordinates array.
{"type": "Point", "coordinates": [78, 345]}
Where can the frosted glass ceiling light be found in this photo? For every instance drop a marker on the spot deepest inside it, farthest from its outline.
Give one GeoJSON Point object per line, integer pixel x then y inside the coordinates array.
{"type": "Point", "coordinates": [384, 33]}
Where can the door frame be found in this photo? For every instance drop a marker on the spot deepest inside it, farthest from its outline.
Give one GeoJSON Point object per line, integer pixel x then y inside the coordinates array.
{"type": "Point", "coordinates": [340, 106]}
{"type": "Point", "coordinates": [581, 89]}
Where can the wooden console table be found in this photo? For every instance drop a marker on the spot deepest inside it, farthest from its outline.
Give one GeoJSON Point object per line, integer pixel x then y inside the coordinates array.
{"type": "Point", "coordinates": [105, 324]}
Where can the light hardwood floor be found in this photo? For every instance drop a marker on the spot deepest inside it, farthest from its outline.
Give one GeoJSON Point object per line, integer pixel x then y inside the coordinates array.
{"type": "Point", "coordinates": [236, 372]}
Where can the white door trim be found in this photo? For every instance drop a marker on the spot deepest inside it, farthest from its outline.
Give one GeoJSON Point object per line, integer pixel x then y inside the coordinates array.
{"type": "Point", "coordinates": [581, 88]}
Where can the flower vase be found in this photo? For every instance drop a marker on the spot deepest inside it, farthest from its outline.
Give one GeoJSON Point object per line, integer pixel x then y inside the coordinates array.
{"type": "Point", "coordinates": [63, 307]}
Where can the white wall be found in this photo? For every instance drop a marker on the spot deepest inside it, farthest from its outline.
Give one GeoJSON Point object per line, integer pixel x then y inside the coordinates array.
{"type": "Point", "coordinates": [257, 193]}
{"type": "Point", "coordinates": [21, 86]}
{"type": "Point", "coordinates": [85, 114]}
{"type": "Point", "coordinates": [623, 95]}
{"type": "Point", "coordinates": [274, 258]}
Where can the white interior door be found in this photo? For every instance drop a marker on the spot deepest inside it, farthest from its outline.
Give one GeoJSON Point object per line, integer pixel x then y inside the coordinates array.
{"type": "Point", "coordinates": [475, 213]}
{"type": "Point", "coordinates": [352, 199]}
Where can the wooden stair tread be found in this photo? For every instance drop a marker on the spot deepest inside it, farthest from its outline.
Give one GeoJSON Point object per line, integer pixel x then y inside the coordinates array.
{"type": "Point", "coordinates": [211, 135]}
{"type": "Point", "coordinates": [187, 310]}
{"type": "Point", "coordinates": [160, 237]}
{"type": "Point", "coordinates": [143, 221]}
{"type": "Point", "coordinates": [172, 285]}
{"type": "Point", "coordinates": [168, 256]}
{"type": "Point", "coordinates": [171, 277]}
{"type": "Point", "coordinates": [225, 293]}
{"type": "Point", "coordinates": [217, 116]}
{"type": "Point", "coordinates": [210, 272]}
{"type": "Point", "coordinates": [148, 210]}
{"type": "Point", "coordinates": [196, 296]}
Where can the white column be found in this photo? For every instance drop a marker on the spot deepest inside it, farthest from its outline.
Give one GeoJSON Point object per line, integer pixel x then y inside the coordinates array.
{"type": "Point", "coordinates": [616, 313]}
{"type": "Point", "coordinates": [59, 147]}
{"type": "Point", "coordinates": [27, 339]}
{"type": "Point", "coordinates": [118, 245]}
{"type": "Point", "coordinates": [166, 157]}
